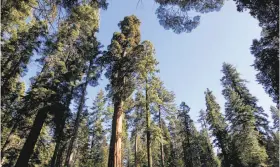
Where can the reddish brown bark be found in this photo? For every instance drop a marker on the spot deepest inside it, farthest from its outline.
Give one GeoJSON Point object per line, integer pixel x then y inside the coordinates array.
{"type": "Point", "coordinates": [115, 154]}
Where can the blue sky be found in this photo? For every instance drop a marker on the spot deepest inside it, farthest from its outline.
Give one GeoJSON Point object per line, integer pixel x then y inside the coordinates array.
{"type": "Point", "coordinates": [190, 62]}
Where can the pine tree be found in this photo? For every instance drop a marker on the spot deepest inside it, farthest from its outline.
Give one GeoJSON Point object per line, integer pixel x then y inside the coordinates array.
{"type": "Point", "coordinates": [147, 68]}
{"type": "Point", "coordinates": [60, 136]}
{"type": "Point", "coordinates": [265, 49]}
{"type": "Point", "coordinates": [189, 137]}
{"type": "Point", "coordinates": [241, 114]}
{"type": "Point", "coordinates": [82, 151]}
{"type": "Point", "coordinates": [266, 52]}
{"type": "Point", "coordinates": [272, 149]}
{"type": "Point", "coordinates": [166, 107]}
{"type": "Point", "coordinates": [218, 127]}
{"type": "Point", "coordinates": [232, 79]}
{"type": "Point", "coordinates": [14, 14]}
{"type": "Point", "coordinates": [9, 114]}
{"type": "Point", "coordinates": [272, 144]}
{"type": "Point", "coordinates": [59, 72]}
{"type": "Point", "coordinates": [207, 156]}
{"type": "Point", "coordinates": [11, 136]}
{"type": "Point", "coordinates": [43, 149]}
{"type": "Point", "coordinates": [177, 17]}
{"type": "Point", "coordinates": [98, 138]}
{"type": "Point", "coordinates": [175, 158]}
{"type": "Point", "coordinates": [89, 49]}
{"type": "Point", "coordinates": [19, 40]}
{"type": "Point", "coordinates": [39, 128]}
{"type": "Point", "coordinates": [136, 122]}
{"type": "Point", "coordinates": [17, 51]}
{"type": "Point", "coordinates": [127, 108]}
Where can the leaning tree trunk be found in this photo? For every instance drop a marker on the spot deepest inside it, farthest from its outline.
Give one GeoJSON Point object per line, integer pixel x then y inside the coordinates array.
{"type": "Point", "coordinates": [32, 138]}
{"type": "Point", "coordinates": [149, 151]}
{"type": "Point", "coordinates": [59, 159]}
{"type": "Point", "coordinates": [58, 143]}
{"type": "Point", "coordinates": [115, 159]}
{"type": "Point", "coordinates": [60, 130]}
{"type": "Point", "coordinates": [68, 161]}
{"type": "Point", "coordinates": [161, 140]}
{"type": "Point", "coordinates": [17, 120]}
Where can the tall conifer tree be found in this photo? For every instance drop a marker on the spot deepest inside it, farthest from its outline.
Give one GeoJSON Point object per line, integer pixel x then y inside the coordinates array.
{"type": "Point", "coordinates": [241, 112]}
{"type": "Point", "coordinates": [121, 71]}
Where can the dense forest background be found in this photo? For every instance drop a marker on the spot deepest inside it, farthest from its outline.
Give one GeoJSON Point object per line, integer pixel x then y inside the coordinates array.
{"type": "Point", "coordinates": [135, 120]}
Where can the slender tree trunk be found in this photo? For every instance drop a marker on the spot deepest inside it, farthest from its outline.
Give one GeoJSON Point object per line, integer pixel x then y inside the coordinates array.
{"type": "Point", "coordinates": [115, 159]}
{"type": "Point", "coordinates": [149, 151]}
{"type": "Point", "coordinates": [226, 161]}
{"type": "Point", "coordinates": [17, 121]}
{"type": "Point", "coordinates": [59, 159]}
{"type": "Point", "coordinates": [185, 153]}
{"type": "Point", "coordinates": [136, 149]}
{"type": "Point", "coordinates": [161, 140]}
{"type": "Point", "coordinates": [68, 162]}
{"type": "Point", "coordinates": [60, 131]}
{"type": "Point", "coordinates": [225, 155]}
{"type": "Point", "coordinates": [190, 162]}
{"type": "Point", "coordinates": [55, 156]}
{"type": "Point", "coordinates": [56, 150]}
{"type": "Point", "coordinates": [32, 138]}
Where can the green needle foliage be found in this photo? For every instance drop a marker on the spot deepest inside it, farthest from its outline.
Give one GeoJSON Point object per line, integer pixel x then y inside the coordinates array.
{"type": "Point", "coordinates": [218, 127]}
{"type": "Point", "coordinates": [207, 155]}
{"type": "Point", "coordinates": [174, 15]}
{"type": "Point", "coordinates": [189, 137]}
{"type": "Point", "coordinates": [136, 123]}
{"type": "Point", "coordinates": [231, 80]}
{"type": "Point", "coordinates": [121, 62]}
{"type": "Point", "coordinates": [241, 112]}
{"type": "Point", "coordinates": [98, 149]}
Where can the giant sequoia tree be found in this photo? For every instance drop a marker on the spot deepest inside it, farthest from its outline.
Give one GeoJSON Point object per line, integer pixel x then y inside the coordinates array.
{"type": "Point", "coordinates": [121, 71]}
{"type": "Point", "coordinates": [41, 128]}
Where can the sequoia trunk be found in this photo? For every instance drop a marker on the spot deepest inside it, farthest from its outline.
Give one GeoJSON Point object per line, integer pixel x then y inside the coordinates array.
{"type": "Point", "coordinates": [115, 159]}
